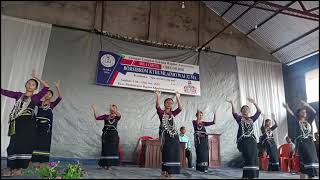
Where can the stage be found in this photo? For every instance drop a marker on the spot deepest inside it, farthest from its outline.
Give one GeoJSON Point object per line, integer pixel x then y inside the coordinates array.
{"type": "Point", "coordinates": [129, 171]}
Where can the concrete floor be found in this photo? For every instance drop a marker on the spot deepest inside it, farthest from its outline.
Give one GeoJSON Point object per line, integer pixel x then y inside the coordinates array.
{"type": "Point", "coordinates": [134, 172]}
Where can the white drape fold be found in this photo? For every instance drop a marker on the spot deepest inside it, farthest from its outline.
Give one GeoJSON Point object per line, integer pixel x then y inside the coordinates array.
{"type": "Point", "coordinates": [263, 81]}
{"type": "Point", "coordinates": [24, 46]}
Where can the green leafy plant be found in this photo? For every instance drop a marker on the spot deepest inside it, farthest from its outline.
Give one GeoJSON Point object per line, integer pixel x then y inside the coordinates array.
{"type": "Point", "coordinates": [53, 171]}
{"type": "Point", "coordinates": [73, 171]}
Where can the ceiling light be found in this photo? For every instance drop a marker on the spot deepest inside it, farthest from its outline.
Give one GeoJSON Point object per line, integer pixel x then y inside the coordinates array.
{"type": "Point", "coordinates": [183, 6]}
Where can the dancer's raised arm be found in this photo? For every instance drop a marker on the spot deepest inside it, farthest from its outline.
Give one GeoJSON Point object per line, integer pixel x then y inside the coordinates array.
{"type": "Point", "coordinates": [312, 114]}
{"type": "Point", "coordinates": [43, 83]}
{"type": "Point", "coordinates": [232, 106]}
{"type": "Point", "coordinates": [178, 100]}
{"type": "Point", "coordinates": [57, 84]}
{"type": "Point", "coordinates": [59, 98]}
{"type": "Point", "coordinates": [258, 112]}
{"type": "Point", "coordinates": [95, 112]}
{"type": "Point", "coordinates": [255, 104]}
{"type": "Point", "coordinates": [286, 106]}
{"type": "Point", "coordinates": [158, 93]}
{"type": "Point", "coordinates": [305, 104]}
{"type": "Point", "coordinates": [273, 116]}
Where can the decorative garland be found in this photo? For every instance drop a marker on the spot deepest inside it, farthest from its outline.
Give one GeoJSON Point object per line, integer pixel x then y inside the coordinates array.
{"type": "Point", "coordinates": [148, 42]}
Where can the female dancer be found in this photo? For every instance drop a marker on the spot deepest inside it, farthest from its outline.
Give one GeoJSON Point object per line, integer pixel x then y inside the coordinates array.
{"type": "Point", "coordinates": [110, 137]}
{"type": "Point", "coordinates": [268, 142]}
{"type": "Point", "coordinates": [168, 134]}
{"type": "Point", "coordinates": [201, 141]}
{"type": "Point", "coordinates": [246, 140]}
{"type": "Point", "coordinates": [41, 152]}
{"type": "Point", "coordinates": [22, 126]}
{"type": "Point", "coordinates": [309, 164]}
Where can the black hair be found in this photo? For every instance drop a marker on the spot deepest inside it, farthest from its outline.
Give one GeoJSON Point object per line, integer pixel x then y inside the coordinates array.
{"type": "Point", "coordinates": [182, 127]}
{"type": "Point", "coordinates": [244, 107]}
{"type": "Point", "coordinates": [300, 109]}
{"type": "Point", "coordinates": [198, 112]}
{"type": "Point", "coordinates": [32, 79]}
{"type": "Point", "coordinates": [50, 91]}
{"type": "Point", "coordinates": [267, 120]}
{"type": "Point", "coordinates": [168, 100]}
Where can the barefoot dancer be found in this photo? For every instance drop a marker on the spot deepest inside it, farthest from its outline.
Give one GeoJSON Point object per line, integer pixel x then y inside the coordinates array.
{"type": "Point", "coordinates": [268, 142]}
{"type": "Point", "coordinates": [201, 141]}
{"type": "Point", "coordinates": [110, 137]}
{"type": "Point", "coordinates": [41, 152]}
{"type": "Point", "coordinates": [246, 140]}
{"type": "Point", "coordinates": [170, 145]}
{"type": "Point", "coordinates": [309, 163]}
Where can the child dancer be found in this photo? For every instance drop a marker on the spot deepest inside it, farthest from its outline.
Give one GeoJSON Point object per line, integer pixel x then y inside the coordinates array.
{"type": "Point", "coordinates": [41, 152]}
{"type": "Point", "coordinates": [268, 142]}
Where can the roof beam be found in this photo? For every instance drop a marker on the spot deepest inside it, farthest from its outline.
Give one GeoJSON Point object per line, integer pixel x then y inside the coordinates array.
{"type": "Point", "coordinates": [272, 10]}
{"type": "Point", "coordinates": [268, 19]}
{"type": "Point", "coordinates": [302, 57]}
{"type": "Point", "coordinates": [302, 6]}
{"type": "Point", "coordinates": [313, 9]}
{"type": "Point", "coordinates": [227, 9]}
{"type": "Point", "coordinates": [294, 40]}
{"type": "Point", "coordinates": [290, 9]}
{"type": "Point", "coordinates": [216, 35]}
{"type": "Point", "coordinates": [102, 16]}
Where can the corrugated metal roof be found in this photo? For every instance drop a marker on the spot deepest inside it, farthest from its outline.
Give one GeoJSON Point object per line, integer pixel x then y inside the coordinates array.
{"type": "Point", "coordinates": [305, 46]}
{"type": "Point", "coordinates": [276, 32]}
{"type": "Point", "coordinates": [217, 6]}
{"type": "Point", "coordinates": [310, 4]}
{"type": "Point", "coordinates": [296, 5]}
{"type": "Point", "coordinates": [283, 3]}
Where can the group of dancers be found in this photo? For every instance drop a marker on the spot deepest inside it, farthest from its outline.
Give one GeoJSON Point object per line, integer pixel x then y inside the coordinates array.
{"type": "Point", "coordinates": [30, 134]}
{"type": "Point", "coordinates": [30, 131]}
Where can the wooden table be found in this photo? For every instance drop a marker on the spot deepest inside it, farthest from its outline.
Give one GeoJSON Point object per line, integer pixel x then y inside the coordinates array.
{"type": "Point", "coordinates": [152, 154]}
{"type": "Point", "coordinates": [214, 150]}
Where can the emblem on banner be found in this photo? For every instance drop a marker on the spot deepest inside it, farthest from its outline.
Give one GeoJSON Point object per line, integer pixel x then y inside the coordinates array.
{"type": "Point", "coordinates": [190, 88]}
{"type": "Point", "coordinates": [107, 60]}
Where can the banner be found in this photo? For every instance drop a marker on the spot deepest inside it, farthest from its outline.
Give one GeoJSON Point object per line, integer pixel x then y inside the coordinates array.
{"type": "Point", "coordinates": [147, 74]}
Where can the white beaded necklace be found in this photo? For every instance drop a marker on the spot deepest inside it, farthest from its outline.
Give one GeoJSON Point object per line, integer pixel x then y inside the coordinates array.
{"type": "Point", "coordinates": [17, 111]}
{"type": "Point", "coordinates": [109, 119]}
{"type": "Point", "coordinates": [45, 106]}
{"type": "Point", "coordinates": [247, 125]}
{"type": "Point", "coordinates": [165, 123]}
{"type": "Point", "coordinates": [199, 126]}
{"type": "Point", "coordinates": [305, 128]}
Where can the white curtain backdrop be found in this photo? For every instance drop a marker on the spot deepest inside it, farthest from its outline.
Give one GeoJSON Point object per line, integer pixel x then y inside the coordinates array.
{"type": "Point", "coordinates": [24, 46]}
{"type": "Point", "coordinates": [263, 81]}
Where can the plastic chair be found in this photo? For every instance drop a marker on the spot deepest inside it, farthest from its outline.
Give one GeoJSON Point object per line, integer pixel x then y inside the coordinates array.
{"type": "Point", "coordinates": [284, 157]}
{"type": "Point", "coordinates": [139, 148]}
{"type": "Point", "coordinates": [294, 163]}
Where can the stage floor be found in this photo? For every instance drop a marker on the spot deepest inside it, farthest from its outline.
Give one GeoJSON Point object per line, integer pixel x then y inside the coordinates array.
{"type": "Point", "coordinates": [134, 172]}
